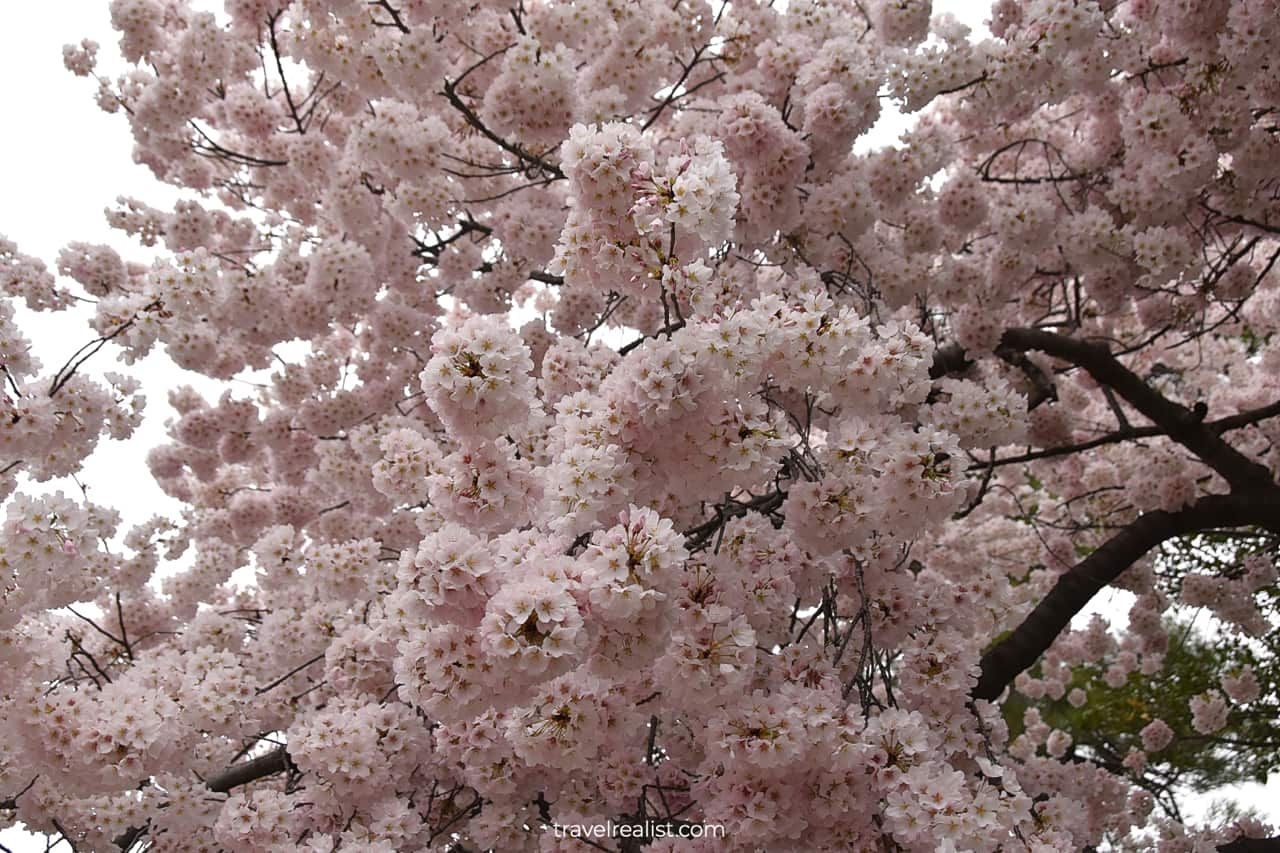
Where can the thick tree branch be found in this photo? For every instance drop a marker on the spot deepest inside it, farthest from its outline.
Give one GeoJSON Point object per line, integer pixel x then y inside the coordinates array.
{"type": "Point", "coordinates": [951, 358]}
{"type": "Point", "coordinates": [1042, 387]}
{"type": "Point", "coordinates": [1244, 419]}
{"type": "Point", "coordinates": [273, 762]}
{"type": "Point", "coordinates": [1183, 425]}
{"type": "Point", "coordinates": [1251, 845]}
{"type": "Point", "coordinates": [947, 359]}
{"type": "Point", "coordinates": [1018, 651]}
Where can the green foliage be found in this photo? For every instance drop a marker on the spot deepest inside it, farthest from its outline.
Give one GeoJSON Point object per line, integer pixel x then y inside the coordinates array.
{"type": "Point", "coordinates": [1201, 652]}
{"type": "Point", "coordinates": [1107, 726]}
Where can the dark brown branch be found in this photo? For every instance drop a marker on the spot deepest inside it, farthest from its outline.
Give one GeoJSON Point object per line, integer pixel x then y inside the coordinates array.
{"type": "Point", "coordinates": [668, 329]}
{"type": "Point", "coordinates": [545, 277]}
{"type": "Point", "coordinates": [130, 837]}
{"type": "Point", "coordinates": [1017, 652]}
{"type": "Point", "coordinates": [960, 87]}
{"type": "Point", "coordinates": [68, 370]}
{"type": "Point", "coordinates": [65, 835]}
{"type": "Point", "coordinates": [1244, 220]}
{"type": "Point", "coordinates": [985, 169]}
{"type": "Point", "coordinates": [674, 91]}
{"type": "Point", "coordinates": [396, 20]}
{"type": "Point", "coordinates": [698, 536]}
{"type": "Point", "coordinates": [431, 251]}
{"type": "Point", "coordinates": [78, 651]}
{"type": "Point", "coordinates": [1238, 421]}
{"type": "Point", "coordinates": [11, 803]}
{"type": "Point", "coordinates": [533, 160]}
{"type": "Point", "coordinates": [273, 762]}
{"type": "Point", "coordinates": [124, 635]}
{"type": "Point", "coordinates": [95, 626]}
{"type": "Point", "coordinates": [290, 674]}
{"type": "Point", "coordinates": [541, 182]}
{"type": "Point", "coordinates": [284, 80]}
{"type": "Point", "coordinates": [210, 148]}
{"type": "Point", "coordinates": [947, 359]}
{"type": "Point", "coordinates": [1067, 449]}
{"type": "Point", "coordinates": [533, 275]}
{"type": "Point", "coordinates": [1183, 425]}
{"type": "Point", "coordinates": [1251, 845]}
{"type": "Point", "coordinates": [1042, 387]}
{"type": "Point", "coordinates": [1244, 419]}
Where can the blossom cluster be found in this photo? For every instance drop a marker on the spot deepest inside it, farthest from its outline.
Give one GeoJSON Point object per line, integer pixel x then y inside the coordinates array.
{"type": "Point", "coordinates": [622, 433]}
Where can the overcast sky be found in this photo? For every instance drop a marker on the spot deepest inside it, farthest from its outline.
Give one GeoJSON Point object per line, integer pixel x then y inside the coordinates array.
{"type": "Point", "coordinates": [64, 162]}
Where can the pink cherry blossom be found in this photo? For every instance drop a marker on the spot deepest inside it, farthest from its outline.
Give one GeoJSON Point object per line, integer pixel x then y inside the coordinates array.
{"type": "Point", "coordinates": [612, 428]}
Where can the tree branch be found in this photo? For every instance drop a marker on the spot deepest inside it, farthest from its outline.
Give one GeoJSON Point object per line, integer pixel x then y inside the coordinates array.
{"type": "Point", "coordinates": [949, 358]}
{"type": "Point", "coordinates": [1018, 651]}
{"type": "Point", "coordinates": [284, 80]}
{"type": "Point", "coordinates": [1237, 421]}
{"type": "Point", "coordinates": [1183, 425]}
{"type": "Point", "coordinates": [1251, 845]}
{"type": "Point", "coordinates": [530, 159]}
{"type": "Point", "coordinates": [273, 762]}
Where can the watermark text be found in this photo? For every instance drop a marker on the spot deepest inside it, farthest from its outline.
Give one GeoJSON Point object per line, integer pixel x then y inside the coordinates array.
{"type": "Point", "coordinates": [639, 829]}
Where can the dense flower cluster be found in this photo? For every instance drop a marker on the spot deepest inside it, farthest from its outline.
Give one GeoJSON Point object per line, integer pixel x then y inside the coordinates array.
{"type": "Point", "coordinates": [629, 439]}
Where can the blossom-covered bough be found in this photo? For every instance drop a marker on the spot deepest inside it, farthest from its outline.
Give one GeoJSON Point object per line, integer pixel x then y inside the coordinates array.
{"type": "Point", "coordinates": [804, 464]}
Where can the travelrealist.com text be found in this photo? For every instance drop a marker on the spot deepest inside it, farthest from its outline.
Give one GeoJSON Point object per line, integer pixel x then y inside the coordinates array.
{"type": "Point", "coordinates": [638, 829]}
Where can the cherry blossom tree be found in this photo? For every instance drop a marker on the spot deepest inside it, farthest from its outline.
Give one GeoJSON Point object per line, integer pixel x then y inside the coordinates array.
{"type": "Point", "coordinates": [637, 446]}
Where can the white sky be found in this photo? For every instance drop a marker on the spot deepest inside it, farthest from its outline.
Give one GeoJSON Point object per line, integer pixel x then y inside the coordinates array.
{"type": "Point", "coordinates": [65, 161]}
